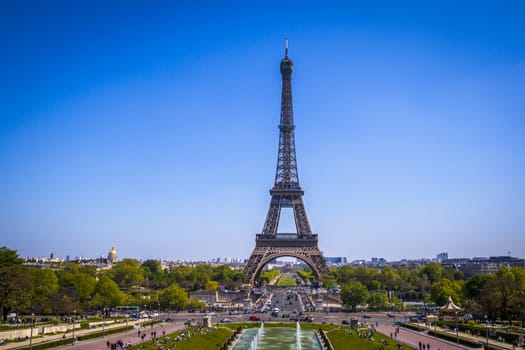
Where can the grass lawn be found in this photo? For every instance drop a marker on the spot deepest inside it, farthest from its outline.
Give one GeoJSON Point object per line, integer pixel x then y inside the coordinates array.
{"type": "Point", "coordinates": [198, 340]}
{"type": "Point", "coordinates": [342, 340]}
{"type": "Point", "coordinates": [339, 337]}
{"type": "Point", "coordinates": [286, 280]}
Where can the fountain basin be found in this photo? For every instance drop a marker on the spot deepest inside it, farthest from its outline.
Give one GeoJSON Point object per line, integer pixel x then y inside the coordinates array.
{"type": "Point", "coordinates": [279, 338]}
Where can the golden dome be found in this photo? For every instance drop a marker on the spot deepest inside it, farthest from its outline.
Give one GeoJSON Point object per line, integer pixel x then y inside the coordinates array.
{"type": "Point", "coordinates": [112, 256]}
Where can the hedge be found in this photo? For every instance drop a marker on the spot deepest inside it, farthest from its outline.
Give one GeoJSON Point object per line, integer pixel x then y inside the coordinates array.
{"type": "Point", "coordinates": [68, 340]}
{"type": "Point", "coordinates": [413, 326]}
{"type": "Point", "coordinates": [454, 338]}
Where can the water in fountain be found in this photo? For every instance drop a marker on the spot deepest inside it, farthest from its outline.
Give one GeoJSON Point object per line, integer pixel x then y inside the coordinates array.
{"type": "Point", "coordinates": [278, 338]}
{"type": "Point", "coordinates": [255, 342]}
{"type": "Point", "coordinates": [298, 336]}
{"type": "Point", "coordinates": [257, 337]}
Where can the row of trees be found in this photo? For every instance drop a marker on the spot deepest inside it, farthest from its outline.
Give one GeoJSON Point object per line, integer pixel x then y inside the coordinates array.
{"type": "Point", "coordinates": [76, 287]}
{"type": "Point", "coordinates": [499, 295]}
{"type": "Point", "coordinates": [129, 282]}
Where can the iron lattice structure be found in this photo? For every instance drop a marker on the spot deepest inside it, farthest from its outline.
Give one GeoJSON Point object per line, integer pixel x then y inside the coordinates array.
{"type": "Point", "coordinates": [286, 193]}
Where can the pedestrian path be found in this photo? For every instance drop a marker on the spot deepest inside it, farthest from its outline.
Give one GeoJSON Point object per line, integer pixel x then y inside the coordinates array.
{"type": "Point", "coordinates": [413, 338]}
{"type": "Point", "coordinates": [131, 337]}
{"type": "Point", "coordinates": [53, 337]}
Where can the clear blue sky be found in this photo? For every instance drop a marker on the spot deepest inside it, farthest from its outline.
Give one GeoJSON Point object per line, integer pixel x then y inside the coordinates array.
{"type": "Point", "coordinates": [152, 126]}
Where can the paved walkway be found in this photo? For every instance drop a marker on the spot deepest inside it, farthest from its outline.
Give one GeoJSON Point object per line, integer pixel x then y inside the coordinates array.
{"type": "Point", "coordinates": [412, 338]}
{"type": "Point", "coordinates": [131, 335]}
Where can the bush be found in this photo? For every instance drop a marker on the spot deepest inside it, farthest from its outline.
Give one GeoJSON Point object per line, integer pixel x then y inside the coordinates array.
{"type": "Point", "coordinates": [453, 338]}
{"type": "Point", "coordinates": [412, 326]}
{"type": "Point", "coordinates": [68, 340]}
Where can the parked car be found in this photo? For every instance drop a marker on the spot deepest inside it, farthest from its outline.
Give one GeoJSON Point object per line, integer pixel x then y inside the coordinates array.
{"type": "Point", "coordinates": [254, 318]}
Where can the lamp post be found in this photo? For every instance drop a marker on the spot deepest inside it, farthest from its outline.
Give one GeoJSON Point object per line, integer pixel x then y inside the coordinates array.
{"type": "Point", "coordinates": [487, 328]}
{"type": "Point", "coordinates": [31, 334]}
{"type": "Point", "coordinates": [170, 308]}
{"type": "Point", "coordinates": [457, 329]}
{"type": "Point", "coordinates": [103, 321]}
{"type": "Point", "coordinates": [74, 316]}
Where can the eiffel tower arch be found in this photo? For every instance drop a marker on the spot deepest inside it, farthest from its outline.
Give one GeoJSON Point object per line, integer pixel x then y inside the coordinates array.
{"type": "Point", "coordinates": [286, 193]}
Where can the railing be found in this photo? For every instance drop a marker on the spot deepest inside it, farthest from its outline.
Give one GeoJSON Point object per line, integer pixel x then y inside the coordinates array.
{"type": "Point", "coordinates": [288, 236]}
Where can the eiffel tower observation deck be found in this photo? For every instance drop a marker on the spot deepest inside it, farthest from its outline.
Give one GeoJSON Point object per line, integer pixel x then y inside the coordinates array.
{"type": "Point", "coordinates": [286, 193]}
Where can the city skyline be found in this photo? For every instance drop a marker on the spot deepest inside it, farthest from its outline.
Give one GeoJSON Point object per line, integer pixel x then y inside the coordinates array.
{"type": "Point", "coordinates": [153, 127]}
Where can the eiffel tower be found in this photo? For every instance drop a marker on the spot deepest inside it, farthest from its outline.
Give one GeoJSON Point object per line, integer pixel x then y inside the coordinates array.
{"type": "Point", "coordinates": [286, 193]}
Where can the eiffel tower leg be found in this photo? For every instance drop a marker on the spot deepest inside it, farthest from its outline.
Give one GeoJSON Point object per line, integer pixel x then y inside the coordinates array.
{"type": "Point", "coordinates": [301, 220]}
{"type": "Point", "coordinates": [272, 218]}
{"type": "Point", "coordinates": [263, 255]}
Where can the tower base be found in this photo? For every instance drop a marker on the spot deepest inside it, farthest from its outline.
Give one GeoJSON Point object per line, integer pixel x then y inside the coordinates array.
{"type": "Point", "coordinates": [268, 248]}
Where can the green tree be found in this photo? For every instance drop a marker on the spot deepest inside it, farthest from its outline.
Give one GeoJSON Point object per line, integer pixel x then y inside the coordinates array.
{"type": "Point", "coordinates": [154, 273]}
{"type": "Point", "coordinates": [474, 286]}
{"type": "Point", "coordinates": [175, 295]}
{"type": "Point", "coordinates": [368, 276]}
{"type": "Point", "coordinates": [127, 273]}
{"type": "Point", "coordinates": [62, 303]}
{"type": "Point", "coordinates": [9, 257]}
{"type": "Point", "coordinates": [330, 279]}
{"type": "Point", "coordinates": [445, 288]}
{"type": "Point", "coordinates": [77, 285]}
{"type": "Point", "coordinates": [390, 279]}
{"type": "Point", "coordinates": [16, 284]}
{"type": "Point", "coordinates": [434, 271]}
{"type": "Point", "coordinates": [503, 295]}
{"type": "Point", "coordinates": [45, 284]}
{"type": "Point", "coordinates": [306, 275]}
{"type": "Point", "coordinates": [377, 300]}
{"type": "Point", "coordinates": [353, 294]}
{"type": "Point", "coordinates": [211, 285]}
{"type": "Point", "coordinates": [196, 305]}
{"type": "Point", "coordinates": [107, 293]}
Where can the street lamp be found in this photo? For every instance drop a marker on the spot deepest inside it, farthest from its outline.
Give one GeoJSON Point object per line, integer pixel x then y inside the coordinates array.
{"type": "Point", "coordinates": [457, 329]}
{"type": "Point", "coordinates": [103, 321]}
{"type": "Point", "coordinates": [31, 335]}
{"type": "Point", "coordinates": [170, 308]}
{"type": "Point", "coordinates": [487, 328]}
{"type": "Point", "coordinates": [74, 316]}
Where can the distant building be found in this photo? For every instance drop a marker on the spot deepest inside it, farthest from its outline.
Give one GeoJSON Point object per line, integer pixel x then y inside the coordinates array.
{"type": "Point", "coordinates": [358, 263]}
{"type": "Point", "coordinates": [481, 265]}
{"type": "Point", "coordinates": [112, 256]}
{"type": "Point", "coordinates": [410, 264]}
{"type": "Point", "coordinates": [336, 260]}
{"type": "Point", "coordinates": [441, 257]}
{"type": "Point", "coordinates": [378, 261]}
